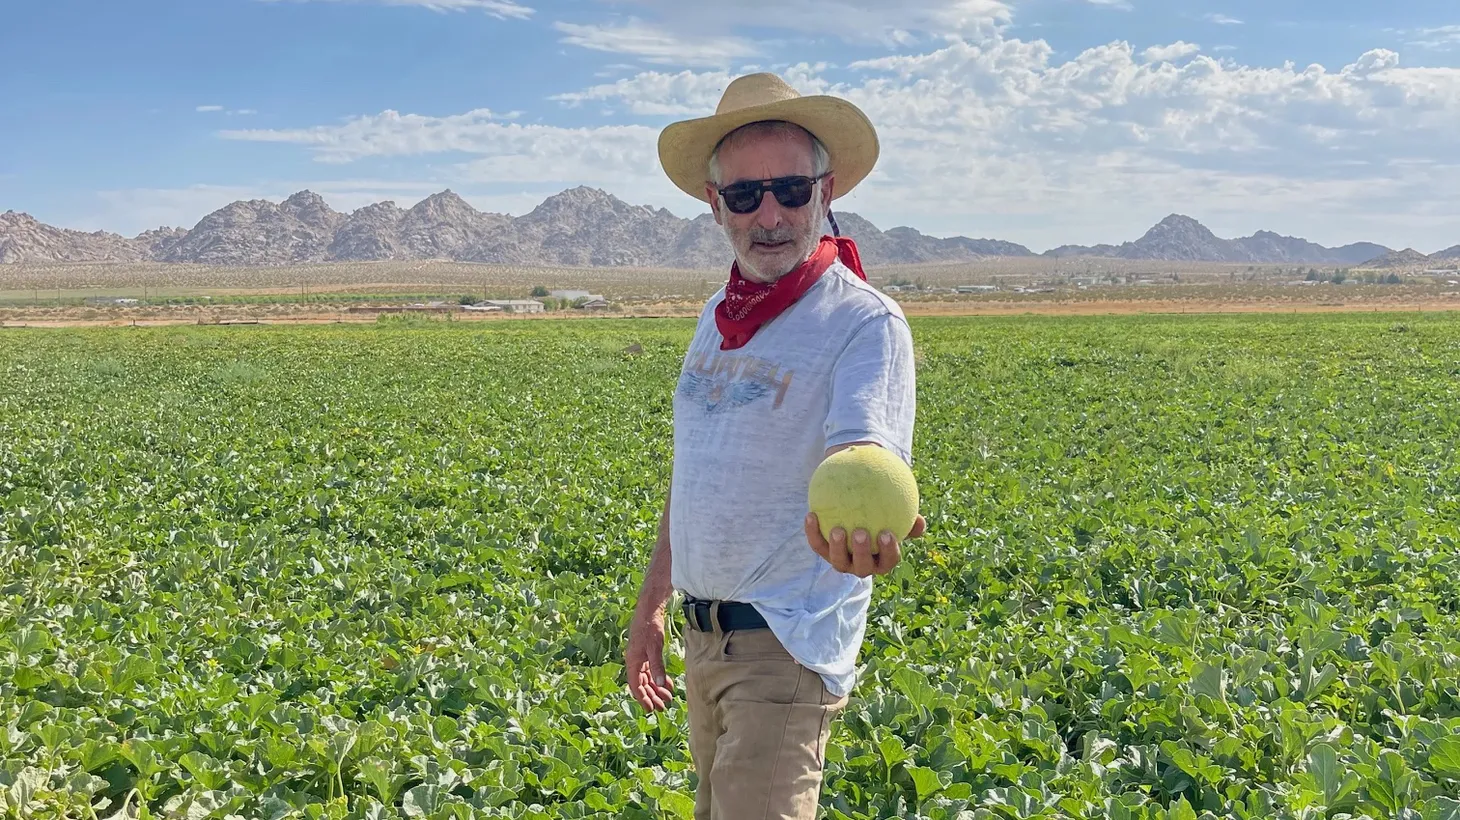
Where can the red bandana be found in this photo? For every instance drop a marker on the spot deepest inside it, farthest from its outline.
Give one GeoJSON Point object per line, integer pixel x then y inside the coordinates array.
{"type": "Point", "coordinates": [748, 305]}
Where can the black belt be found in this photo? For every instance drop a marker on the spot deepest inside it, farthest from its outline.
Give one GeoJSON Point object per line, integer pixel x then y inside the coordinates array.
{"type": "Point", "coordinates": [733, 616]}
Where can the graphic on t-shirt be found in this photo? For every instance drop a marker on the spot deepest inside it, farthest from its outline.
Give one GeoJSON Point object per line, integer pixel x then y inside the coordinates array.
{"type": "Point", "coordinates": [722, 381]}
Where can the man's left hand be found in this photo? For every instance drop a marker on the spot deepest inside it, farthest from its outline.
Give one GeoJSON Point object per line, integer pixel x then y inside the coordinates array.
{"type": "Point", "coordinates": [856, 557]}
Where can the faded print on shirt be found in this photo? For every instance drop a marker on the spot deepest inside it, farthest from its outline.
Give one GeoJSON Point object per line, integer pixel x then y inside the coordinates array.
{"type": "Point", "coordinates": [719, 380]}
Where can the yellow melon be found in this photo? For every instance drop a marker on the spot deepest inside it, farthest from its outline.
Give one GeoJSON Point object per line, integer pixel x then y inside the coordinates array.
{"type": "Point", "coordinates": [867, 487]}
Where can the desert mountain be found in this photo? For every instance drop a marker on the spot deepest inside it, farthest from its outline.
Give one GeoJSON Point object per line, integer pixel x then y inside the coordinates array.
{"type": "Point", "coordinates": [371, 233]}
{"type": "Point", "coordinates": [258, 232]}
{"type": "Point", "coordinates": [24, 239]}
{"type": "Point", "coordinates": [444, 226]}
{"type": "Point", "coordinates": [1181, 238]}
{"type": "Point", "coordinates": [1407, 258]}
{"type": "Point", "coordinates": [578, 227]}
{"type": "Point", "coordinates": [586, 227]}
{"type": "Point", "coordinates": [589, 228]}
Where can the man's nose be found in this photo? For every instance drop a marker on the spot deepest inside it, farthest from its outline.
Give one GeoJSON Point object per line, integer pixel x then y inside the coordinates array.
{"type": "Point", "coordinates": [768, 215]}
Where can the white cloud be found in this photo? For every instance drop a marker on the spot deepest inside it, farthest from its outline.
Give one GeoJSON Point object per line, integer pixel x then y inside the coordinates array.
{"type": "Point", "coordinates": [501, 9]}
{"type": "Point", "coordinates": [388, 133]}
{"type": "Point", "coordinates": [210, 109]}
{"type": "Point", "coordinates": [494, 152]}
{"type": "Point", "coordinates": [686, 93]}
{"type": "Point", "coordinates": [1123, 5]}
{"type": "Point", "coordinates": [996, 136]}
{"type": "Point", "coordinates": [658, 45]}
{"type": "Point", "coordinates": [864, 21]}
{"type": "Point", "coordinates": [1178, 50]}
{"type": "Point", "coordinates": [1437, 38]}
{"type": "Point", "coordinates": [1222, 20]}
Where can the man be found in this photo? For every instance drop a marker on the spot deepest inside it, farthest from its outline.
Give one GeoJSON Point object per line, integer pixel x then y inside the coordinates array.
{"type": "Point", "coordinates": [795, 358]}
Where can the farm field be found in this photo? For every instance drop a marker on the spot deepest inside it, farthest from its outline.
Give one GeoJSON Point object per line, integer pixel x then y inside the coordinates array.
{"type": "Point", "coordinates": [1176, 567]}
{"type": "Point", "coordinates": [29, 280]}
{"type": "Point", "coordinates": [93, 295]}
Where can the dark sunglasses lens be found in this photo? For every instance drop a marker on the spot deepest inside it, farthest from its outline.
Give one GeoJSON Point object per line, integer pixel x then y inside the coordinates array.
{"type": "Point", "coordinates": [793, 193]}
{"type": "Point", "coordinates": [742, 200]}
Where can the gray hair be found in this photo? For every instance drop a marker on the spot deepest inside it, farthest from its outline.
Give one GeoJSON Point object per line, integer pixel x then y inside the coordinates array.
{"type": "Point", "coordinates": [820, 158]}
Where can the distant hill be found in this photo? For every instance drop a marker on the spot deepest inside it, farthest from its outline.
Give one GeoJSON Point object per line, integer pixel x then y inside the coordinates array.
{"type": "Point", "coordinates": [1407, 258]}
{"type": "Point", "coordinates": [23, 239]}
{"type": "Point", "coordinates": [577, 227]}
{"type": "Point", "coordinates": [589, 227]}
{"type": "Point", "coordinates": [1181, 238]}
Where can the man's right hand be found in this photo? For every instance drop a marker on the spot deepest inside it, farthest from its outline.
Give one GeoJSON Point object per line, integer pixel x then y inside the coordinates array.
{"type": "Point", "coordinates": [644, 662]}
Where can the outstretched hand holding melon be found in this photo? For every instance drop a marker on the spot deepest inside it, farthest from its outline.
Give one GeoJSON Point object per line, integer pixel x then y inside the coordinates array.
{"type": "Point", "coordinates": [864, 502]}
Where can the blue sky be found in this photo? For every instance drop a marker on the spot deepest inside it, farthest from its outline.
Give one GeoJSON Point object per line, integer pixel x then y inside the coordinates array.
{"type": "Point", "coordinates": [1041, 122]}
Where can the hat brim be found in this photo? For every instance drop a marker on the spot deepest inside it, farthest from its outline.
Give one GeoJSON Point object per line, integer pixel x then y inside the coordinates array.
{"type": "Point", "coordinates": [851, 141]}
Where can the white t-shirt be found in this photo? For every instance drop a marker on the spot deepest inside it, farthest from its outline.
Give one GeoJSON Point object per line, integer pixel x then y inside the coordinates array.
{"type": "Point", "coordinates": [750, 427]}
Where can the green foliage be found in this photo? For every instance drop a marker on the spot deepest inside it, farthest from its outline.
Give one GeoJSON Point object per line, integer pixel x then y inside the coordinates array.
{"type": "Point", "coordinates": [1176, 568]}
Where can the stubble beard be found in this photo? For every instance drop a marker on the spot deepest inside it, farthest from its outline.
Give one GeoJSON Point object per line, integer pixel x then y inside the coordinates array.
{"type": "Point", "coordinates": [803, 243]}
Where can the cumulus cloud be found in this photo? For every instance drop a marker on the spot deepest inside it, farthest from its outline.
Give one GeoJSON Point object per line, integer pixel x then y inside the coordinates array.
{"type": "Point", "coordinates": [1178, 50]}
{"type": "Point", "coordinates": [1123, 5]}
{"type": "Point", "coordinates": [1222, 19]}
{"type": "Point", "coordinates": [658, 45]}
{"type": "Point", "coordinates": [686, 93]}
{"type": "Point", "coordinates": [999, 133]}
{"type": "Point", "coordinates": [501, 9]}
{"type": "Point", "coordinates": [206, 108]}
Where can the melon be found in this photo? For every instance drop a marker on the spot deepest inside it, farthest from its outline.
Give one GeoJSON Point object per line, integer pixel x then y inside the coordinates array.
{"type": "Point", "coordinates": [864, 487]}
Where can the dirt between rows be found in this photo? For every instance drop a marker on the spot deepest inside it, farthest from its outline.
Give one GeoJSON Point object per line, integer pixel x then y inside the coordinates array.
{"type": "Point", "coordinates": [311, 315]}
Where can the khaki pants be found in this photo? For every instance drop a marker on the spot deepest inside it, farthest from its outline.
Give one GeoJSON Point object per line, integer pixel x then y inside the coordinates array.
{"type": "Point", "coordinates": [758, 726]}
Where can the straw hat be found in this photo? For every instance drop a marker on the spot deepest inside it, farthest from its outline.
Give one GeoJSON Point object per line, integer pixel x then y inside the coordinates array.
{"type": "Point", "coordinates": [685, 147]}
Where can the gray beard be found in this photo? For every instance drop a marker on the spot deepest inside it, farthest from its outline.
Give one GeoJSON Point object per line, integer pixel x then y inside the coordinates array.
{"type": "Point", "coordinates": [782, 234]}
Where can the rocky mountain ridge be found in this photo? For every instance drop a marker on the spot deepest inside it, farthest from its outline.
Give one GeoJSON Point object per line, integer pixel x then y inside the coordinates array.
{"type": "Point", "coordinates": [1180, 238]}
{"type": "Point", "coordinates": [589, 227]}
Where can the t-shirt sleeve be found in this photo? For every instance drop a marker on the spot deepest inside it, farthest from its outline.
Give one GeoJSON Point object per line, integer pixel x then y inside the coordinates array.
{"type": "Point", "coordinates": [873, 388]}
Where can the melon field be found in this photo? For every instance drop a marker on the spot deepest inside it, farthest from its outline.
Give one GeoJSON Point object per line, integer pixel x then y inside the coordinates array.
{"type": "Point", "coordinates": [1176, 568]}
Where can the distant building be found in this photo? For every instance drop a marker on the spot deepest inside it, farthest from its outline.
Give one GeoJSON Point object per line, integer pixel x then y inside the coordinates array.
{"type": "Point", "coordinates": [975, 288]}
{"type": "Point", "coordinates": [515, 305]}
{"type": "Point", "coordinates": [596, 303]}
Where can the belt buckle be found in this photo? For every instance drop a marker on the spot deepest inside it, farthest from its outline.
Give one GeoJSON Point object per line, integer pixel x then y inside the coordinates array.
{"type": "Point", "coordinates": [698, 613]}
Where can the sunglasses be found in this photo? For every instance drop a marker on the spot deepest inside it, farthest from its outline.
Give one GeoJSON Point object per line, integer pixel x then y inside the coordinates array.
{"type": "Point", "coordinates": [791, 192]}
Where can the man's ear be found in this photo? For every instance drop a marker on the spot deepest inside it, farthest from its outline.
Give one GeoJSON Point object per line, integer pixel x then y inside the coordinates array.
{"type": "Point", "coordinates": [713, 196]}
{"type": "Point", "coordinates": [828, 191]}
